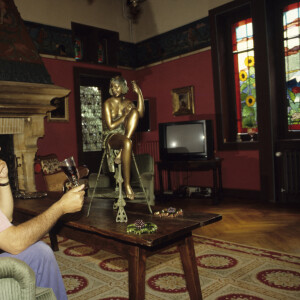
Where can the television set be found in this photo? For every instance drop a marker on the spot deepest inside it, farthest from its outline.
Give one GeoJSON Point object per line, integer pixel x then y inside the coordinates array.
{"type": "Point", "coordinates": [186, 141]}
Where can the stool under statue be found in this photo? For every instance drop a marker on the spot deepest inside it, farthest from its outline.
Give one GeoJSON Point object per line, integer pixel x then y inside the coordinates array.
{"type": "Point", "coordinates": [121, 118]}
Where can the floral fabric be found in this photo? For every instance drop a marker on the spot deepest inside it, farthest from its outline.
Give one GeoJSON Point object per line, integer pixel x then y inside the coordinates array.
{"type": "Point", "coordinates": [50, 166]}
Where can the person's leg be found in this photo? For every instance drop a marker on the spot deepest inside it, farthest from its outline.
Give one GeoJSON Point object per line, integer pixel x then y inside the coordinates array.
{"type": "Point", "coordinates": [41, 259]}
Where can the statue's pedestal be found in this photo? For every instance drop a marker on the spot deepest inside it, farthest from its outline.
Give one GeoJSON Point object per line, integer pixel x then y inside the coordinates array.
{"type": "Point", "coordinates": [120, 204]}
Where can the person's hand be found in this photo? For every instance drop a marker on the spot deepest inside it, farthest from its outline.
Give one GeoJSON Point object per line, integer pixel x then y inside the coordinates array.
{"type": "Point", "coordinates": [3, 171]}
{"type": "Point", "coordinates": [72, 201]}
{"type": "Point", "coordinates": [127, 109]}
{"type": "Point", "coordinates": [135, 87]}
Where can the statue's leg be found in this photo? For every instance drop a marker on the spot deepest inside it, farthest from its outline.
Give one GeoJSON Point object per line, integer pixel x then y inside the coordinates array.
{"type": "Point", "coordinates": [131, 122]}
{"type": "Point", "coordinates": [130, 125]}
{"type": "Point", "coordinates": [119, 141]}
{"type": "Point", "coordinates": [126, 164]}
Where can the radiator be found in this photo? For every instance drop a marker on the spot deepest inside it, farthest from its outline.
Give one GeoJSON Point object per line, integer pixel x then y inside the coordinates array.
{"type": "Point", "coordinates": [291, 172]}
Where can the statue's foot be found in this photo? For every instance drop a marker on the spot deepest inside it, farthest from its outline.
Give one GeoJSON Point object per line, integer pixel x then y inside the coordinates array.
{"type": "Point", "coordinates": [129, 192]}
{"type": "Point", "coordinates": [118, 158]}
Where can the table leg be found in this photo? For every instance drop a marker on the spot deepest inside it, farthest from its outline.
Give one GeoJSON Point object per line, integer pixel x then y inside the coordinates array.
{"type": "Point", "coordinates": [161, 184]}
{"type": "Point", "coordinates": [215, 187]}
{"type": "Point", "coordinates": [53, 241]}
{"type": "Point", "coordinates": [188, 259]}
{"type": "Point", "coordinates": [136, 274]}
{"type": "Point", "coordinates": [220, 183]}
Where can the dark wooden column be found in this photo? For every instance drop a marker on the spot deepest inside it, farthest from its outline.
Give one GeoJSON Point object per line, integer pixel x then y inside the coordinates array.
{"type": "Point", "coordinates": [265, 93]}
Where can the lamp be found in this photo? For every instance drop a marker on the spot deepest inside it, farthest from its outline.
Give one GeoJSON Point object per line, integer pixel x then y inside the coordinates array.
{"type": "Point", "coordinates": [134, 9]}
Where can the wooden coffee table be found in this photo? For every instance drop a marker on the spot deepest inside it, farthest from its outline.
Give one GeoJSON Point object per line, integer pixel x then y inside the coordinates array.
{"type": "Point", "coordinates": [101, 230]}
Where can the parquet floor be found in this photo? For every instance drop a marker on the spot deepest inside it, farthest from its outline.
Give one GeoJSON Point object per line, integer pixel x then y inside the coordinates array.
{"type": "Point", "coordinates": [265, 225]}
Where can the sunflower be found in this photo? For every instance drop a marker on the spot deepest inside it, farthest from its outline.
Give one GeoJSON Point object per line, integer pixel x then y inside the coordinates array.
{"type": "Point", "coordinates": [250, 101]}
{"type": "Point", "coordinates": [243, 75]}
{"type": "Point", "coordinates": [249, 61]}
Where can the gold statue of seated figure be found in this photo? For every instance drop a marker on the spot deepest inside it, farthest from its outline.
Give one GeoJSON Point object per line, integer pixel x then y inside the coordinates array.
{"type": "Point", "coordinates": [121, 117]}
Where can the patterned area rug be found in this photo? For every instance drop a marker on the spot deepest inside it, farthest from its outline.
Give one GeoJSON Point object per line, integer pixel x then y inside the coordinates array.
{"type": "Point", "coordinates": [227, 271]}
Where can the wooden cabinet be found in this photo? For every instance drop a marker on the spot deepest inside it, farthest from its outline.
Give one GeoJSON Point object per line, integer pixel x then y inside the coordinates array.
{"type": "Point", "coordinates": [95, 45]}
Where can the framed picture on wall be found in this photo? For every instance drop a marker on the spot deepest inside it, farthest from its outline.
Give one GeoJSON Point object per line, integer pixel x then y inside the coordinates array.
{"type": "Point", "coordinates": [61, 112]}
{"type": "Point", "coordinates": [183, 101]}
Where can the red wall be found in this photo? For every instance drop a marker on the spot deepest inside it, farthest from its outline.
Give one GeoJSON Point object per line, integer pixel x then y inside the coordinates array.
{"type": "Point", "coordinates": [240, 168]}
{"type": "Point", "coordinates": [60, 137]}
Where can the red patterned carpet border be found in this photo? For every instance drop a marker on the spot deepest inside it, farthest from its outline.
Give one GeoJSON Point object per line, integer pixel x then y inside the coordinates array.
{"type": "Point", "coordinates": [227, 271]}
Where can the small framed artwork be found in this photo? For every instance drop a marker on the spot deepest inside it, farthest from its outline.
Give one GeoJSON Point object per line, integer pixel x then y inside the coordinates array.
{"type": "Point", "coordinates": [183, 101]}
{"type": "Point", "coordinates": [61, 112]}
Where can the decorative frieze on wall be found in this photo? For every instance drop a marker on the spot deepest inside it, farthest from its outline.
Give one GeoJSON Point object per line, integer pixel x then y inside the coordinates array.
{"type": "Point", "coordinates": [179, 41]}
{"type": "Point", "coordinates": [51, 40]}
{"type": "Point", "coordinates": [188, 38]}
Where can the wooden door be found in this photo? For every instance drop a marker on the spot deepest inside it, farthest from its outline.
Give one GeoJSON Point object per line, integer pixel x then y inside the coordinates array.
{"type": "Point", "coordinates": [91, 90]}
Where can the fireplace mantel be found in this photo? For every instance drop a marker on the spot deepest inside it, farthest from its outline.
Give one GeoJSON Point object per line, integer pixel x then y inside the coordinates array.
{"type": "Point", "coordinates": [23, 107]}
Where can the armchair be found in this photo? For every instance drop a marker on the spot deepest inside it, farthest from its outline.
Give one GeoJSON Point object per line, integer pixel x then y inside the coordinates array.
{"type": "Point", "coordinates": [17, 281]}
{"type": "Point", "coordinates": [54, 178]}
{"type": "Point", "coordinates": [145, 165]}
{"type": "Point", "coordinates": [106, 184]}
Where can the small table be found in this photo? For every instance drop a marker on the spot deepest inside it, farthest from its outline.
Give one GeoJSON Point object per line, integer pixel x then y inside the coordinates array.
{"type": "Point", "coordinates": [101, 230]}
{"type": "Point", "coordinates": [214, 164]}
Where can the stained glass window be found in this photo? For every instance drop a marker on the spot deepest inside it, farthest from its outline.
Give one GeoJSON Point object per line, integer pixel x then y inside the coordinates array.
{"type": "Point", "coordinates": [91, 118]}
{"type": "Point", "coordinates": [292, 63]}
{"type": "Point", "coordinates": [244, 74]}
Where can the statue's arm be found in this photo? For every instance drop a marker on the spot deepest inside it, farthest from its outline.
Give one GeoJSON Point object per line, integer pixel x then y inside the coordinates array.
{"type": "Point", "coordinates": [140, 102]}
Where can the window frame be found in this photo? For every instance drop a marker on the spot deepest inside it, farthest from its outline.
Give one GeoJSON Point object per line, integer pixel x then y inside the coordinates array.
{"type": "Point", "coordinates": [283, 132]}
{"type": "Point", "coordinates": [221, 20]}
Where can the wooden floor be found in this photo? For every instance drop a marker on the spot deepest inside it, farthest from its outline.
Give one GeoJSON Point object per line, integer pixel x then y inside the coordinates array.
{"type": "Point", "coordinates": [264, 225]}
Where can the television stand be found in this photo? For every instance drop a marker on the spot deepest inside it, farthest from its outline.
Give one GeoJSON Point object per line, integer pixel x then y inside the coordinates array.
{"type": "Point", "coordinates": [214, 164]}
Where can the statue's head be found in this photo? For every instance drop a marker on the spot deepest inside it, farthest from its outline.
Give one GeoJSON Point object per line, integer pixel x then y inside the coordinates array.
{"type": "Point", "coordinates": [121, 81]}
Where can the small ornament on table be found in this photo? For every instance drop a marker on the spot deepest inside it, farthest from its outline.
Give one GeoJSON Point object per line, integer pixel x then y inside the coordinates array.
{"type": "Point", "coordinates": [139, 227]}
{"type": "Point", "coordinates": [170, 212]}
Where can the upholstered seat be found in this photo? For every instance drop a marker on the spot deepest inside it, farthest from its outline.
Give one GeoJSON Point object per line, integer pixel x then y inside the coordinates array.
{"type": "Point", "coordinates": [17, 281]}
{"type": "Point", "coordinates": [145, 164]}
{"type": "Point", "coordinates": [55, 179]}
{"type": "Point", "coordinates": [106, 185]}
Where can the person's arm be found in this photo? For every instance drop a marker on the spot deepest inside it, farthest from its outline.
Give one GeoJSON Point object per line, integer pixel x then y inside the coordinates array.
{"type": "Point", "coordinates": [140, 102]}
{"type": "Point", "coordinates": [16, 239]}
{"type": "Point", "coordinates": [6, 198]}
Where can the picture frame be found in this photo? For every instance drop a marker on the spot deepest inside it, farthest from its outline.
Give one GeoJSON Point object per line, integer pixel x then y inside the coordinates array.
{"type": "Point", "coordinates": [183, 101]}
{"type": "Point", "coordinates": [61, 112]}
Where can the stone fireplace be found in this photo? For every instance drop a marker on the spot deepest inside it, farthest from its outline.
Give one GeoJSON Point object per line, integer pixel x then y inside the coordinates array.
{"type": "Point", "coordinates": [23, 107]}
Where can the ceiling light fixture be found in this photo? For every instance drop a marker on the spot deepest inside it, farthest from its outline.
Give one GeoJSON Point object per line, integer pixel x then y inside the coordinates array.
{"type": "Point", "coordinates": [134, 9]}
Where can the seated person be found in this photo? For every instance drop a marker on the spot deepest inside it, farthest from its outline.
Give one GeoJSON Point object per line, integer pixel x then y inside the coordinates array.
{"type": "Point", "coordinates": [121, 118]}
{"type": "Point", "coordinates": [22, 241]}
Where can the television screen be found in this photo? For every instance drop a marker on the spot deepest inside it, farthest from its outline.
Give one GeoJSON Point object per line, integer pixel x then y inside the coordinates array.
{"type": "Point", "coordinates": [187, 138]}
{"type": "Point", "coordinates": [191, 140]}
